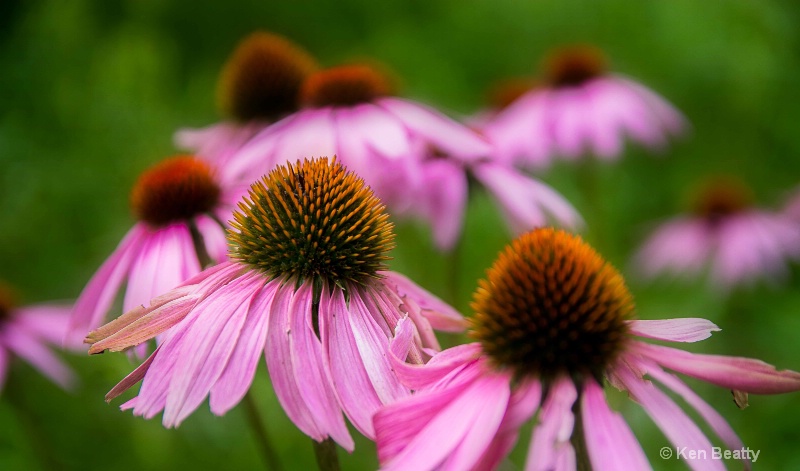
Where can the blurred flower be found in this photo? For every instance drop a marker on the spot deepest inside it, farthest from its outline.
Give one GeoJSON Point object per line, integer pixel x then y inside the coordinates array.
{"type": "Point", "coordinates": [26, 331]}
{"type": "Point", "coordinates": [736, 241]}
{"type": "Point", "coordinates": [259, 84]}
{"type": "Point", "coordinates": [552, 320]}
{"type": "Point", "coordinates": [414, 158]}
{"type": "Point", "coordinates": [308, 289]}
{"type": "Point", "coordinates": [580, 108]}
{"type": "Point", "coordinates": [181, 204]}
{"type": "Point", "coordinates": [792, 206]}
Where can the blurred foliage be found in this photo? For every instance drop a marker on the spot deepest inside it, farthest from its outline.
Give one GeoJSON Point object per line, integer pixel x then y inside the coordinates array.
{"type": "Point", "coordinates": [91, 92]}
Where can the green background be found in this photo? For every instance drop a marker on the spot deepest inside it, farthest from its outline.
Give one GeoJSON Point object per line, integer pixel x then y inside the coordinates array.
{"type": "Point", "coordinates": [91, 92]}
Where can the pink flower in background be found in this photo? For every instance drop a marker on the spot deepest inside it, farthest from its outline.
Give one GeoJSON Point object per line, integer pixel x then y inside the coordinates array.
{"type": "Point", "coordinates": [581, 109]}
{"type": "Point", "coordinates": [734, 241]}
{"type": "Point", "coordinates": [552, 320]}
{"type": "Point", "coordinates": [182, 207]}
{"type": "Point", "coordinates": [306, 288]}
{"type": "Point", "coordinates": [28, 332]}
{"type": "Point", "coordinates": [414, 158]}
{"type": "Point", "coordinates": [259, 84]}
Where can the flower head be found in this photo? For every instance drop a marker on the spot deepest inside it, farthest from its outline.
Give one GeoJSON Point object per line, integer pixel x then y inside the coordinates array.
{"type": "Point", "coordinates": [180, 203]}
{"type": "Point", "coordinates": [554, 321]}
{"type": "Point", "coordinates": [580, 108]}
{"type": "Point", "coordinates": [307, 287]}
{"type": "Point", "coordinates": [415, 159]}
{"type": "Point", "coordinates": [27, 332]}
{"type": "Point", "coordinates": [259, 84]}
{"type": "Point", "coordinates": [736, 241]}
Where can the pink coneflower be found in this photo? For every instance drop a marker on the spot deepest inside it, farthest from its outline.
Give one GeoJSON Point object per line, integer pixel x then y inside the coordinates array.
{"type": "Point", "coordinates": [259, 84]}
{"type": "Point", "coordinates": [415, 159]}
{"type": "Point", "coordinates": [181, 205]}
{"type": "Point", "coordinates": [735, 241]}
{"type": "Point", "coordinates": [26, 332]}
{"type": "Point", "coordinates": [553, 321]}
{"type": "Point", "coordinates": [307, 288]}
{"type": "Point", "coordinates": [580, 109]}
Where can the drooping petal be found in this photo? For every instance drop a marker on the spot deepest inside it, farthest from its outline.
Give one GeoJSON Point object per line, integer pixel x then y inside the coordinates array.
{"type": "Point", "coordinates": [31, 350]}
{"type": "Point", "coordinates": [609, 440]}
{"type": "Point", "coordinates": [679, 428]}
{"type": "Point", "coordinates": [45, 321]}
{"type": "Point", "coordinates": [550, 443]}
{"type": "Point", "coordinates": [717, 423]}
{"type": "Point", "coordinates": [449, 136]}
{"type": "Point", "coordinates": [207, 346]}
{"type": "Point", "coordinates": [166, 259]}
{"type": "Point", "coordinates": [96, 298]}
{"type": "Point", "coordinates": [441, 315]}
{"type": "Point", "coordinates": [133, 377]}
{"type": "Point", "coordinates": [444, 189]}
{"type": "Point", "coordinates": [424, 430]}
{"type": "Point", "coordinates": [348, 370]}
{"type": "Point", "coordinates": [741, 374]}
{"type": "Point", "coordinates": [691, 329]}
{"type": "Point", "coordinates": [238, 375]}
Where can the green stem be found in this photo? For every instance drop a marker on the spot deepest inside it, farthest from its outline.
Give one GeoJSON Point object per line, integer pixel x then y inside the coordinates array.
{"type": "Point", "coordinates": [200, 247]}
{"type": "Point", "coordinates": [262, 437]}
{"type": "Point", "coordinates": [579, 440]}
{"type": "Point", "coordinates": [325, 452]}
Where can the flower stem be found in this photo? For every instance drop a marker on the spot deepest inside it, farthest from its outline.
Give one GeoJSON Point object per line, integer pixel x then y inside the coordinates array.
{"type": "Point", "coordinates": [579, 440]}
{"type": "Point", "coordinates": [262, 437]}
{"type": "Point", "coordinates": [325, 452]}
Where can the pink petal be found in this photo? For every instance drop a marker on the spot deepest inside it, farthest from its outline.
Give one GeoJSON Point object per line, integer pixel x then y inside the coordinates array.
{"type": "Point", "coordinates": [444, 189]}
{"type": "Point", "coordinates": [295, 363]}
{"type": "Point", "coordinates": [609, 440]}
{"type": "Point", "coordinates": [452, 417]}
{"type": "Point", "coordinates": [717, 423]}
{"type": "Point", "coordinates": [441, 365]}
{"type": "Point", "coordinates": [679, 428]}
{"type": "Point", "coordinates": [440, 314]}
{"type": "Point", "coordinates": [680, 246]}
{"type": "Point", "coordinates": [238, 375]}
{"type": "Point", "coordinates": [214, 239]}
{"type": "Point", "coordinates": [165, 260]}
{"type": "Point", "coordinates": [451, 137]}
{"type": "Point", "coordinates": [550, 442]}
{"type": "Point", "coordinates": [207, 345]}
{"type": "Point", "coordinates": [96, 298]}
{"type": "Point", "coordinates": [23, 345]}
{"type": "Point", "coordinates": [350, 378]}
{"type": "Point", "coordinates": [45, 321]}
{"type": "Point", "coordinates": [691, 329]}
{"type": "Point", "coordinates": [742, 374]}
{"type": "Point", "coordinates": [133, 377]}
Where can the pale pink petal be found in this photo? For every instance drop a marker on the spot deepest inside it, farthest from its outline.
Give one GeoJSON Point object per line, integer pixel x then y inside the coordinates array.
{"type": "Point", "coordinates": [238, 375]}
{"type": "Point", "coordinates": [449, 136]}
{"type": "Point", "coordinates": [679, 428]}
{"type": "Point", "coordinates": [522, 405]}
{"type": "Point", "coordinates": [440, 430]}
{"type": "Point", "coordinates": [670, 118]}
{"type": "Point", "coordinates": [152, 396]}
{"type": "Point", "coordinates": [524, 200]}
{"type": "Point", "coordinates": [609, 440]}
{"type": "Point", "coordinates": [46, 321]}
{"type": "Point", "coordinates": [741, 374]}
{"type": "Point", "coordinates": [565, 113]}
{"type": "Point", "coordinates": [207, 346]}
{"type": "Point", "coordinates": [485, 424]}
{"type": "Point", "coordinates": [381, 131]}
{"type": "Point", "coordinates": [312, 134]}
{"type": "Point", "coordinates": [717, 423]}
{"type": "Point", "coordinates": [442, 364]}
{"type": "Point", "coordinates": [441, 315]}
{"type": "Point", "coordinates": [519, 134]}
{"type": "Point", "coordinates": [23, 345]}
{"type": "Point", "coordinates": [165, 261]}
{"type": "Point", "coordinates": [679, 246]}
{"type": "Point", "coordinates": [550, 443]}
{"type": "Point", "coordinates": [444, 189]}
{"type": "Point", "coordinates": [96, 298]}
{"type": "Point", "coordinates": [690, 329]}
